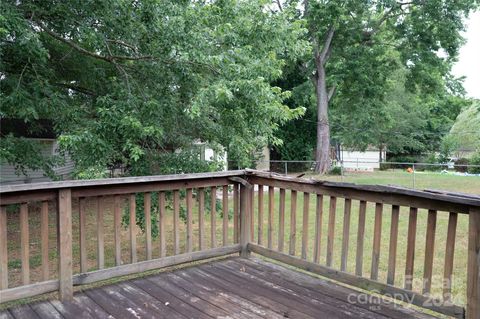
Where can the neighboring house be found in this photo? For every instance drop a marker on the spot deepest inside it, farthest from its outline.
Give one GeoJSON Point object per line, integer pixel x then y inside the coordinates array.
{"type": "Point", "coordinates": [367, 160]}
{"type": "Point", "coordinates": [209, 154]}
{"type": "Point", "coordinates": [45, 136]}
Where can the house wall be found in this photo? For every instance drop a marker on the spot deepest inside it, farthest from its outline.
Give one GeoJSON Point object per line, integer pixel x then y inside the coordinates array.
{"type": "Point", "coordinates": [356, 160]}
{"type": "Point", "coordinates": [49, 147]}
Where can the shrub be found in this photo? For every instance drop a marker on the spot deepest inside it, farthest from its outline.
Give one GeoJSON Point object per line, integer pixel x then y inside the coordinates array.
{"type": "Point", "coordinates": [459, 165]}
{"type": "Point", "coordinates": [475, 160]}
{"type": "Point", "coordinates": [336, 170]}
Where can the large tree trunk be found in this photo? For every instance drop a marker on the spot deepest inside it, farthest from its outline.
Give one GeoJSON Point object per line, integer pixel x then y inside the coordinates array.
{"type": "Point", "coordinates": [322, 151]}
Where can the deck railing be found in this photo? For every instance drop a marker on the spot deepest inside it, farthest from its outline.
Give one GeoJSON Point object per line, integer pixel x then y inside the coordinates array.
{"type": "Point", "coordinates": [243, 227]}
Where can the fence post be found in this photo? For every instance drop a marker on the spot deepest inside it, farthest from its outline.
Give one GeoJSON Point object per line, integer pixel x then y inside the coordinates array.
{"type": "Point", "coordinates": [286, 168]}
{"type": "Point", "coordinates": [413, 168]}
{"type": "Point", "coordinates": [245, 216]}
{"type": "Point", "coordinates": [473, 271]}
{"type": "Point", "coordinates": [64, 227]}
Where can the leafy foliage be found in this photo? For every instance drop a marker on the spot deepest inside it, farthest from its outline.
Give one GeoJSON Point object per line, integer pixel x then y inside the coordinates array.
{"type": "Point", "coordinates": [124, 80]}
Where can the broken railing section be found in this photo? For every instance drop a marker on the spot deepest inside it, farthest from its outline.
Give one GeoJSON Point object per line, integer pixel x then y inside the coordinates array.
{"type": "Point", "coordinates": [195, 232]}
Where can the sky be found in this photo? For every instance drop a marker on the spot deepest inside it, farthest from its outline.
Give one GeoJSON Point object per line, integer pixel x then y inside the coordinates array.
{"type": "Point", "coordinates": [468, 64]}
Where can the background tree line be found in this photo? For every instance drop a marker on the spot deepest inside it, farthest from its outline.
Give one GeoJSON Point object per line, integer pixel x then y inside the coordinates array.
{"type": "Point", "coordinates": [129, 82]}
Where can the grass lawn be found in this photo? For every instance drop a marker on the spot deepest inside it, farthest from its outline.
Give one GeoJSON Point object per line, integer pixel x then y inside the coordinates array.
{"type": "Point", "coordinates": [424, 180]}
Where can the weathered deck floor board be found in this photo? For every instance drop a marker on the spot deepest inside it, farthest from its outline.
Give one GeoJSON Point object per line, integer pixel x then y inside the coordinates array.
{"type": "Point", "coordinates": [230, 288]}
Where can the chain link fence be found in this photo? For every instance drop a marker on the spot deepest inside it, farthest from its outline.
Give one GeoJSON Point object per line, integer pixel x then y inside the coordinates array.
{"type": "Point", "coordinates": [365, 171]}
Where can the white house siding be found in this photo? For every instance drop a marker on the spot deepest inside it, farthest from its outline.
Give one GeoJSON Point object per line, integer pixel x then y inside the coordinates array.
{"type": "Point", "coordinates": [361, 161]}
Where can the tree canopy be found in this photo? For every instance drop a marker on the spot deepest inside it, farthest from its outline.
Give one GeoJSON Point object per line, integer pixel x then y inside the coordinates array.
{"type": "Point", "coordinates": [122, 79]}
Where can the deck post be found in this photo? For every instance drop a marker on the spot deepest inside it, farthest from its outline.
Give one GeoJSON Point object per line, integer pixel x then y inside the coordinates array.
{"type": "Point", "coordinates": [64, 227]}
{"type": "Point", "coordinates": [245, 216]}
{"type": "Point", "coordinates": [473, 272]}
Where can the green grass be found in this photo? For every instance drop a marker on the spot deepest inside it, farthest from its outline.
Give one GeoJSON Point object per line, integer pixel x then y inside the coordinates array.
{"type": "Point", "coordinates": [423, 180]}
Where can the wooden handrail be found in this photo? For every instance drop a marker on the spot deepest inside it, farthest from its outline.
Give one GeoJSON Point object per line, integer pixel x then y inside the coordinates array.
{"type": "Point", "coordinates": [240, 185]}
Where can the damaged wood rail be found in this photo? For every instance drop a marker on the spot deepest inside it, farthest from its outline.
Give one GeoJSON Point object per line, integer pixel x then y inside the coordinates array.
{"type": "Point", "coordinates": [177, 216]}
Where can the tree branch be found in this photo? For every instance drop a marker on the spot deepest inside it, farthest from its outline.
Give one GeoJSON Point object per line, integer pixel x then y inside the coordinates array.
{"type": "Point", "coordinates": [326, 44]}
{"type": "Point", "coordinates": [331, 92]}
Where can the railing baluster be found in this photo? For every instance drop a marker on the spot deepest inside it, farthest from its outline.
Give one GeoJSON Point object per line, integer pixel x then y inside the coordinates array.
{"type": "Point", "coordinates": [293, 222]}
{"type": "Point", "coordinates": [189, 240]}
{"type": "Point", "coordinates": [44, 240]}
{"type": "Point", "coordinates": [346, 233]}
{"type": "Point", "coordinates": [318, 229]}
{"type": "Point", "coordinates": [306, 209]}
{"type": "Point", "coordinates": [360, 236]}
{"type": "Point", "coordinates": [116, 222]}
{"type": "Point", "coordinates": [225, 214]}
{"type": "Point", "coordinates": [24, 243]}
{"type": "Point", "coordinates": [82, 230]}
{"type": "Point", "coordinates": [412, 232]}
{"type": "Point", "coordinates": [201, 218]}
{"type": "Point", "coordinates": [331, 230]}
{"type": "Point", "coordinates": [100, 206]}
{"type": "Point", "coordinates": [473, 270]}
{"type": "Point", "coordinates": [176, 222]}
{"type": "Point", "coordinates": [65, 244]}
{"type": "Point", "coordinates": [449, 253]}
{"type": "Point", "coordinates": [377, 236]}
{"type": "Point", "coordinates": [3, 249]}
{"type": "Point", "coordinates": [392, 252]}
{"type": "Point", "coordinates": [271, 207]}
{"type": "Point", "coordinates": [281, 220]}
{"type": "Point", "coordinates": [245, 215]}
{"type": "Point", "coordinates": [429, 250]}
{"type": "Point", "coordinates": [252, 219]}
{"type": "Point", "coordinates": [133, 225]}
{"type": "Point", "coordinates": [147, 208]}
{"type": "Point", "coordinates": [236, 215]}
{"type": "Point", "coordinates": [161, 223]}
{"type": "Point", "coordinates": [213, 216]}
{"type": "Point", "coordinates": [260, 215]}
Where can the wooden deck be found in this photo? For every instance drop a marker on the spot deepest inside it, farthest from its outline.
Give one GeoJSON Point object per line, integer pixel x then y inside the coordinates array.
{"type": "Point", "coordinates": [229, 288]}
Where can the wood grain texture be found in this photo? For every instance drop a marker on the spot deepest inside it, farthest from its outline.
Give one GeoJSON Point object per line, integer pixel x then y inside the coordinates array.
{"type": "Point", "coordinates": [346, 233]}
{"type": "Point", "coordinates": [213, 217]}
{"type": "Point", "coordinates": [410, 257]}
{"type": "Point", "coordinates": [306, 211]}
{"type": "Point", "coordinates": [360, 238]}
{"type": "Point", "coordinates": [201, 218]}
{"type": "Point", "coordinates": [147, 209]}
{"type": "Point", "coordinates": [293, 223]}
{"type": "Point", "coordinates": [44, 240]}
{"type": "Point", "coordinates": [318, 229]}
{"type": "Point", "coordinates": [377, 237]}
{"type": "Point", "coordinates": [473, 264]}
{"type": "Point", "coordinates": [133, 228]}
{"type": "Point", "coordinates": [281, 220]}
{"type": "Point", "coordinates": [271, 208]}
{"type": "Point", "coordinates": [236, 214]}
{"type": "Point", "coordinates": [225, 215]}
{"type": "Point", "coordinates": [161, 224]}
{"type": "Point", "coordinates": [24, 244]}
{"type": "Point", "coordinates": [82, 221]}
{"type": "Point", "coordinates": [260, 215]}
{"type": "Point", "coordinates": [449, 254]}
{"type": "Point", "coordinates": [176, 222]}
{"type": "Point", "coordinates": [392, 251]}
{"type": "Point", "coordinates": [117, 219]}
{"type": "Point", "coordinates": [331, 230]}
{"type": "Point", "coordinates": [65, 270]}
{"type": "Point", "coordinates": [3, 249]}
{"type": "Point", "coordinates": [189, 239]}
{"type": "Point", "coordinates": [100, 208]}
{"type": "Point", "coordinates": [429, 251]}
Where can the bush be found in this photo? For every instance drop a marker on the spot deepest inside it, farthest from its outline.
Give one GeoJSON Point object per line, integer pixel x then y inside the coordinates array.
{"type": "Point", "coordinates": [475, 160]}
{"type": "Point", "coordinates": [459, 165]}
{"type": "Point", "coordinates": [336, 170]}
